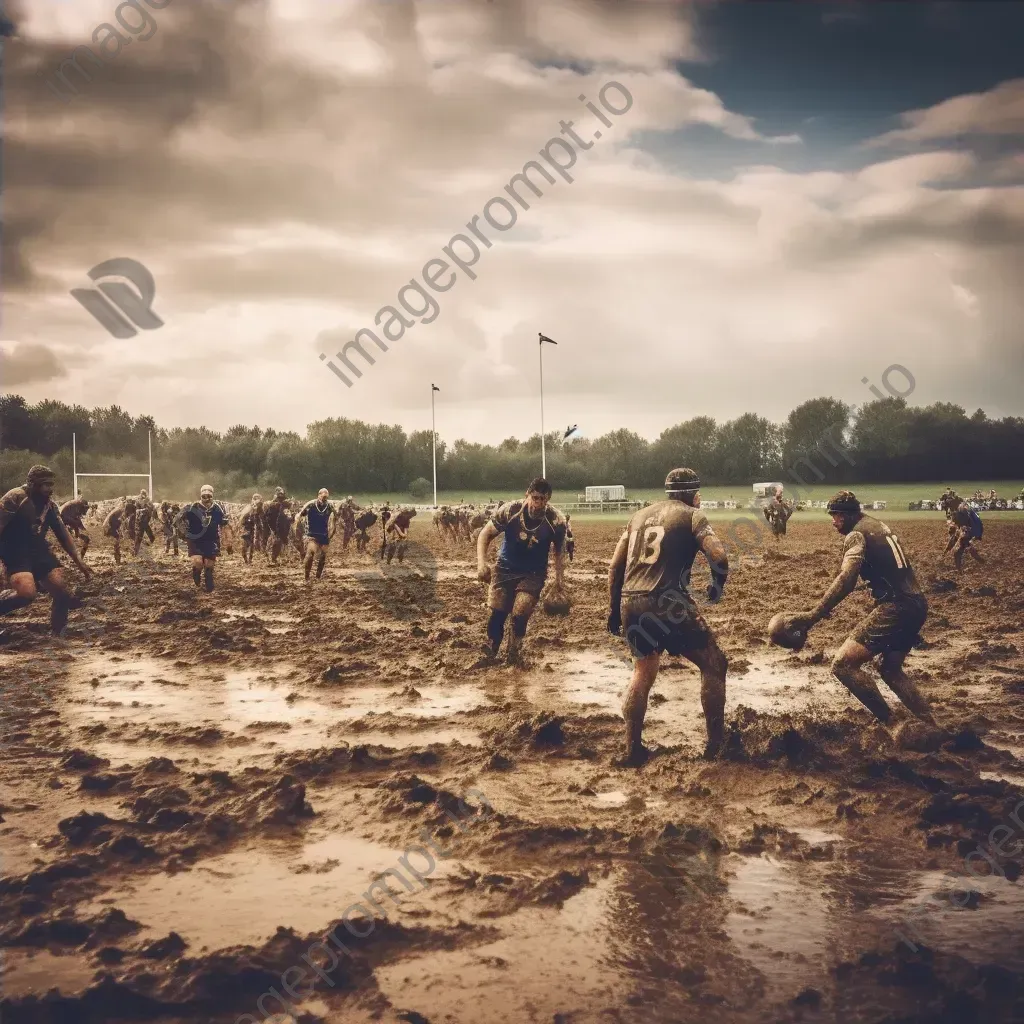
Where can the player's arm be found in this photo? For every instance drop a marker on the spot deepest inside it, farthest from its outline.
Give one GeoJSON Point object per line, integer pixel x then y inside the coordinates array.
{"type": "Point", "coordinates": [616, 578]}
{"type": "Point", "coordinates": [483, 542]}
{"type": "Point", "coordinates": [9, 506]}
{"type": "Point", "coordinates": [845, 582]}
{"type": "Point", "coordinates": [715, 554]}
{"type": "Point", "coordinates": [60, 531]}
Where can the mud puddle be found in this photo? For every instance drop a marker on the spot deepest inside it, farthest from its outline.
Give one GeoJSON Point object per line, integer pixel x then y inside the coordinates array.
{"type": "Point", "coordinates": [547, 962]}
{"type": "Point", "coordinates": [37, 972]}
{"type": "Point", "coordinates": [243, 896]}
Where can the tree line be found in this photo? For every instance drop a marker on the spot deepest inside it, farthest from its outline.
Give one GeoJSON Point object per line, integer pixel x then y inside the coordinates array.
{"type": "Point", "coordinates": [823, 440]}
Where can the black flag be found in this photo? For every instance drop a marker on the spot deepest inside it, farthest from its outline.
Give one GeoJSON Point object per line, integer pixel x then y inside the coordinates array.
{"type": "Point", "coordinates": [434, 387]}
{"type": "Point", "coordinates": [570, 430]}
{"type": "Point", "coordinates": [544, 338]}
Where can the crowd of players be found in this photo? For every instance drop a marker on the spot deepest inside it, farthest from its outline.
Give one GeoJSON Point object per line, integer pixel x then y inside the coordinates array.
{"type": "Point", "coordinates": [649, 598]}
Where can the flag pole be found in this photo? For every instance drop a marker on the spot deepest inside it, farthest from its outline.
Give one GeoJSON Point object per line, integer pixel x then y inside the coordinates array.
{"type": "Point", "coordinates": [433, 440]}
{"type": "Point", "coordinates": [543, 454]}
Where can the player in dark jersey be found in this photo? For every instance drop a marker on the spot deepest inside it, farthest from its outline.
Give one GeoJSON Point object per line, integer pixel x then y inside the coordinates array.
{"type": "Point", "coordinates": [777, 513]}
{"type": "Point", "coordinates": [27, 514]}
{"type": "Point", "coordinates": [168, 511]}
{"type": "Point", "coordinates": [112, 526]}
{"type": "Point", "coordinates": [253, 529]}
{"type": "Point", "coordinates": [346, 513]}
{"type": "Point", "coordinates": [131, 506]}
{"type": "Point", "coordinates": [397, 533]}
{"type": "Point", "coordinates": [530, 528]}
{"type": "Point", "coordinates": [72, 514]}
{"type": "Point", "coordinates": [964, 533]}
{"type": "Point", "coordinates": [385, 515]}
{"type": "Point", "coordinates": [872, 552]}
{"type": "Point", "coordinates": [202, 521]}
{"type": "Point", "coordinates": [363, 522]}
{"type": "Point", "coordinates": [570, 540]}
{"type": "Point", "coordinates": [144, 513]}
{"type": "Point", "coordinates": [648, 584]}
{"type": "Point", "coordinates": [318, 514]}
{"type": "Point", "coordinates": [279, 522]}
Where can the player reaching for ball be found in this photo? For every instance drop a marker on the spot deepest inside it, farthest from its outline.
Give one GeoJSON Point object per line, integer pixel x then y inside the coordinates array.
{"type": "Point", "coordinates": [872, 552]}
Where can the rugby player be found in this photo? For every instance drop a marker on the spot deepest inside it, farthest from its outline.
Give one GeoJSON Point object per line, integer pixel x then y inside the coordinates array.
{"type": "Point", "coordinates": [872, 552]}
{"type": "Point", "coordinates": [318, 515]}
{"type": "Point", "coordinates": [27, 513]}
{"type": "Point", "coordinates": [253, 529]}
{"type": "Point", "coordinates": [570, 541]}
{"type": "Point", "coordinates": [530, 528]}
{"type": "Point", "coordinates": [168, 512]}
{"type": "Point", "coordinates": [202, 521]}
{"type": "Point", "coordinates": [648, 584]}
{"type": "Point", "coordinates": [144, 513]}
{"type": "Point", "coordinates": [112, 526]}
{"type": "Point", "coordinates": [279, 522]}
{"type": "Point", "coordinates": [72, 514]}
{"type": "Point", "coordinates": [363, 522]}
{"type": "Point", "coordinates": [777, 512]}
{"type": "Point", "coordinates": [965, 530]}
{"type": "Point", "coordinates": [396, 534]}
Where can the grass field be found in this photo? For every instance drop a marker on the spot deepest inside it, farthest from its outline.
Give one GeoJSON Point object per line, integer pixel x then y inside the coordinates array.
{"type": "Point", "coordinates": [898, 497]}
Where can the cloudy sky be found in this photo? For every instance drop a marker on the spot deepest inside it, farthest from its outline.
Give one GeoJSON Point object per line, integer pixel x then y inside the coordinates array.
{"type": "Point", "coordinates": [799, 196]}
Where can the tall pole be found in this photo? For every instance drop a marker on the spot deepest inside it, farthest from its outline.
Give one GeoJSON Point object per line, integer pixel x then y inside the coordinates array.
{"type": "Point", "coordinates": [543, 454]}
{"type": "Point", "coordinates": [150, 465]}
{"type": "Point", "coordinates": [74, 463]}
{"type": "Point", "coordinates": [433, 441]}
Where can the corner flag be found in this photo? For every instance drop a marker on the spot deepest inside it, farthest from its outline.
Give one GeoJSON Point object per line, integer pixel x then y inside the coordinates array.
{"type": "Point", "coordinates": [544, 338]}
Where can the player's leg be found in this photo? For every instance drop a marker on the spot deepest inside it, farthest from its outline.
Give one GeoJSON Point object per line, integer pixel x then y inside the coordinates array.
{"type": "Point", "coordinates": [307, 562]}
{"type": "Point", "coordinates": [890, 668]}
{"type": "Point", "coordinates": [63, 600]}
{"type": "Point", "coordinates": [634, 707]}
{"type": "Point", "coordinates": [501, 598]}
{"type": "Point", "coordinates": [522, 609]}
{"type": "Point", "coordinates": [321, 556]}
{"type": "Point", "coordinates": [713, 665]}
{"type": "Point", "coordinates": [197, 569]}
{"type": "Point", "coordinates": [847, 668]}
{"type": "Point", "coordinates": [209, 561]}
{"type": "Point", "coordinates": [24, 592]}
{"type": "Point", "coordinates": [83, 536]}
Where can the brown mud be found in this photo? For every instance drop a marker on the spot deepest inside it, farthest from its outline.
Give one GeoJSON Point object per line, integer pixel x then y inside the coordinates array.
{"type": "Point", "coordinates": [197, 790]}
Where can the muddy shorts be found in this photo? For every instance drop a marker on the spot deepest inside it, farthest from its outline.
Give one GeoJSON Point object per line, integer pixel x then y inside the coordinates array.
{"type": "Point", "coordinates": [27, 553]}
{"type": "Point", "coordinates": [892, 625]}
{"type": "Point", "coordinates": [321, 538]}
{"type": "Point", "coordinates": [506, 584]}
{"type": "Point", "coordinates": [657, 622]}
{"type": "Point", "coordinates": [205, 548]}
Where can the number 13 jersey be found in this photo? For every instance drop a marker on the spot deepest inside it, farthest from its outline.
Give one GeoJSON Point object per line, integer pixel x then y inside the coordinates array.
{"type": "Point", "coordinates": [664, 539]}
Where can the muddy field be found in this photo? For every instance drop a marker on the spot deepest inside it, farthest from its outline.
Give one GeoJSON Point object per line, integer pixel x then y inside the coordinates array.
{"type": "Point", "coordinates": [207, 799]}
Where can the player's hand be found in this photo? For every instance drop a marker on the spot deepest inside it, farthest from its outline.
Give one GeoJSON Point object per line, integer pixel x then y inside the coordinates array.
{"type": "Point", "coordinates": [85, 570]}
{"type": "Point", "coordinates": [483, 573]}
{"type": "Point", "coordinates": [615, 623]}
{"type": "Point", "coordinates": [803, 621]}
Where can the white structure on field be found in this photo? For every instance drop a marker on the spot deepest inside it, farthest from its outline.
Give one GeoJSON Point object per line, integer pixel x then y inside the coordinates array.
{"type": "Point", "coordinates": [615, 492]}
{"type": "Point", "coordinates": [74, 464]}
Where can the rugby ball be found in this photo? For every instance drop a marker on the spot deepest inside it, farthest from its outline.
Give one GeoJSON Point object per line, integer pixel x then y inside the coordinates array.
{"type": "Point", "coordinates": [782, 632]}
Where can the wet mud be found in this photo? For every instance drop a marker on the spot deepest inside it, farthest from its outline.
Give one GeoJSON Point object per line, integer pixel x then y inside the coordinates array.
{"type": "Point", "coordinates": [315, 803]}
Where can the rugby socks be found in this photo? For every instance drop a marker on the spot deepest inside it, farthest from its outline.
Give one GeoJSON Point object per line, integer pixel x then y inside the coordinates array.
{"type": "Point", "coordinates": [519, 623]}
{"type": "Point", "coordinates": [320, 563]}
{"type": "Point", "coordinates": [197, 576]}
{"type": "Point", "coordinates": [13, 603]}
{"type": "Point", "coordinates": [208, 579]}
{"type": "Point", "coordinates": [496, 629]}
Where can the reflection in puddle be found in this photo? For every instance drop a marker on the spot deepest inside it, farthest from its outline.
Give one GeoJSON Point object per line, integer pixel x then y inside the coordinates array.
{"type": "Point", "coordinates": [780, 923]}
{"type": "Point", "coordinates": [35, 973]}
{"type": "Point", "coordinates": [242, 897]}
{"type": "Point", "coordinates": [546, 961]}
{"type": "Point", "coordinates": [253, 613]}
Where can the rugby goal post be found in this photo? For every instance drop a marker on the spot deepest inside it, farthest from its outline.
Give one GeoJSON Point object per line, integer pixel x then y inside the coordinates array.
{"type": "Point", "coordinates": [147, 476]}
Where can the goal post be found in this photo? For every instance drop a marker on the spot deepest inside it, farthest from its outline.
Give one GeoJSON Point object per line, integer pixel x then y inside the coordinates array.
{"type": "Point", "coordinates": [146, 476]}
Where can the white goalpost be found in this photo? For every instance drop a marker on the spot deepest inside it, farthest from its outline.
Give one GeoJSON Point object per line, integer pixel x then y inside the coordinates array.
{"type": "Point", "coordinates": [147, 476]}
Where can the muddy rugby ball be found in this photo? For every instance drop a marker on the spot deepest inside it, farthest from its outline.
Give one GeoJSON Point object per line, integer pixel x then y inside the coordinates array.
{"type": "Point", "coordinates": [782, 632]}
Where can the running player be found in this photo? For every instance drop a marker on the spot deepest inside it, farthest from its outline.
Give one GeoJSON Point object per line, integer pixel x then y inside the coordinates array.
{"type": "Point", "coordinates": [144, 513]}
{"type": "Point", "coordinates": [648, 584]}
{"type": "Point", "coordinates": [279, 522]}
{"type": "Point", "coordinates": [363, 523]}
{"type": "Point", "coordinates": [347, 514]}
{"type": "Point", "coordinates": [872, 552]}
{"type": "Point", "coordinates": [168, 512]}
{"type": "Point", "coordinates": [72, 514]}
{"type": "Point", "coordinates": [318, 515]}
{"type": "Point", "coordinates": [777, 512]}
{"type": "Point", "coordinates": [396, 534]}
{"type": "Point", "coordinates": [131, 506]}
{"type": "Point", "coordinates": [529, 529]}
{"type": "Point", "coordinates": [112, 526]}
{"type": "Point", "coordinates": [253, 530]}
{"type": "Point", "coordinates": [965, 530]}
{"type": "Point", "coordinates": [385, 515]}
{"type": "Point", "coordinates": [202, 521]}
{"type": "Point", "coordinates": [27, 513]}
{"type": "Point", "coordinates": [570, 541]}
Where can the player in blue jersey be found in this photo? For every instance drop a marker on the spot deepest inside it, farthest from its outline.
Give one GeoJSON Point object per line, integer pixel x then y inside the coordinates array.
{"type": "Point", "coordinates": [529, 528]}
{"type": "Point", "coordinates": [318, 515]}
{"type": "Point", "coordinates": [201, 522]}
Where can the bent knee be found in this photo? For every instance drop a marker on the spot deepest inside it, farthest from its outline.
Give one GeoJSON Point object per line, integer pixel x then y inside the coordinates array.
{"type": "Point", "coordinates": [25, 588]}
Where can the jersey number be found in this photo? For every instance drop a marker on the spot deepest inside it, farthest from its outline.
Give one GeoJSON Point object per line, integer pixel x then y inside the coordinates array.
{"type": "Point", "coordinates": [897, 551]}
{"type": "Point", "coordinates": [651, 551]}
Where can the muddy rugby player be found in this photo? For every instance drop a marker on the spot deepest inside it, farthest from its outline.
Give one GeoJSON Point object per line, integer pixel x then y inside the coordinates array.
{"type": "Point", "coordinates": [965, 530]}
{"type": "Point", "coordinates": [529, 528]}
{"type": "Point", "coordinates": [27, 514]}
{"type": "Point", "coordinates": [253, 528]}
{"type": "Point", "coordinates": [202, 521]}
{"type": "Point", "coordinates": [648, 584]}
{"type": "Point", "coordinates": [396, 534]}
{"type": "Point", "coordinates": [72, 514]}
{"type": "Point", "coordinates": [320, 518]}
{"type": "Point", "coordinates": [872, 552]}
